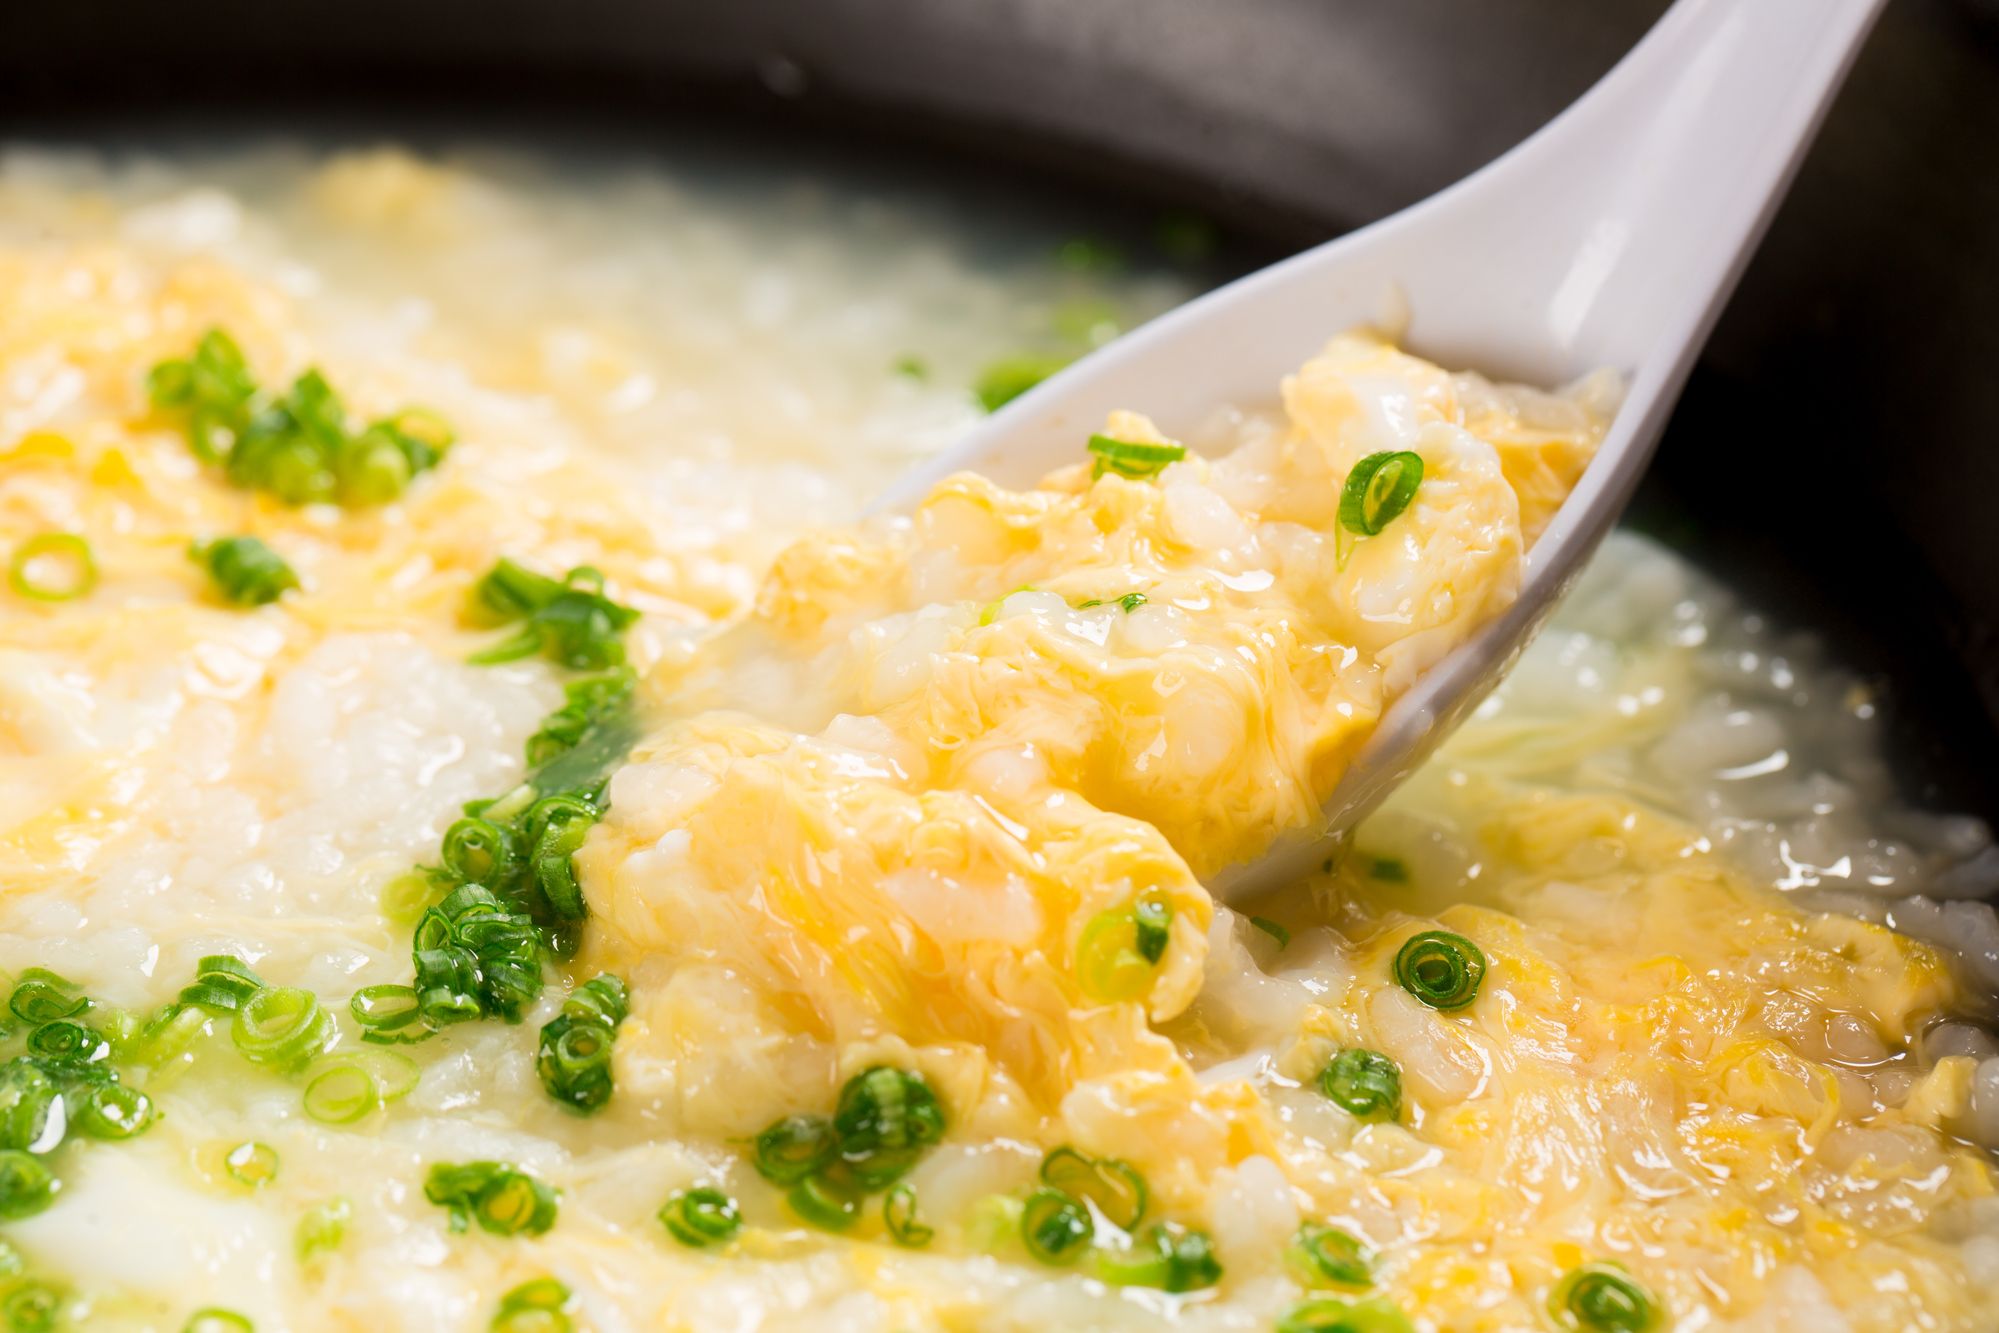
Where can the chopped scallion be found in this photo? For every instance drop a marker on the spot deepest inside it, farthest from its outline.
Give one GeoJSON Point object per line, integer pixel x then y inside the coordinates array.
{"type": "Point", "coordinates": [571, 621]}
{"type": "Point", "coordinates": [885, 1118]}
{"type": "Point", "coordinates": [68, 1042]}
{"type": "Point", "coordinates": [53, 567]}
{"type": "Point", "coordinates": [1378, 489]}
{"type": "Point", "coordinates": [1329, 1314]}
{"type": "Point", "coordinates": [701, 1217]}
{"type": "Point", "coordinates": [26, 1186]}
{"type": "Point", "coordinates": [1118, 952]}
{"type": "Point", "coordinates": [1132, 459]}
{"type": "Point", "coordinates": [222, 984]}
{"type": "Point", "coordinates": [502, 1199]}
{"type": "Point", "coordinates": [33, 1116]}
{"type": "Point", "coordinates": [1388, 869]}
{"type": "Point", "coordinates": [252, 1165]}
{"type": "Point", "coordinates": [282, 1026]}
{"type": "Point", "coordinates": [1276, 930]}
{"type": "Point", "coordinates": [113, 1111]}
{"type": "Point", "coordinates": [828, 1201]}
{"type": "Point", "coordinates": [1055, 1227]}
{"type": "Point", "coordinates": [1324, 1255]}
{"type": "Point", "coordinates": [32, 1306]}
{"type": "Point", "coordinates": [341, 1094]}
{"type": "Point", "coordinates": [793, 1148]}
{"type": "Point", "coordinates": [539, 1305]}
{"type": "Point", "coordinates": [1441, 969]}
{"type": "Point", "coordinates": [1113, 1187]}
{"type": "Point", "coordinates": [899, 1215]}
{"type": "Point", "coordinates": [321, 1230]}
{"type": "Point", "coordinates": [1363, 1083]}
{"type": "Point", "coordinates": [1004, 380]}
{"type": "Point", "coordinates": [301, 446]}
{"type": "Point", "coordinates": [1165, 1256]}
{"type": "Point", "coordinates": [214, 1319]}
{"type": "Point", "coordinates": [244, 570]}
{"type": "Point", "coordinates": [1602, 1298]}
{"type": "Point", "coordinates": [574, 1060]}
{"type": "Point", "coordinates": [40, 996]}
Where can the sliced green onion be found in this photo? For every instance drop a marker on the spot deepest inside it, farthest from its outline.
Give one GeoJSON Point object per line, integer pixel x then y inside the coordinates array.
{"type": "Point", "coordinates": [169, 1033]}
{"type": "Point", "coordinates": [502, 1199]}
{"type": "Point", "coordinates": [321, 1229]}
{"type": "Point", "coordinates": [341, 1094]}
{"type": "Point", "coordinates": [554, 871]}
{"type": "Point", "coordinates": [539, 1305]}
{"type": "Point", "coordinates": [1326, 1255]}
{"type": "Point", "coordinates": [1113, 1187]}
{"type": "Point", "coordinates": [214, 1319]}
{"type": "Point", "coordinates": [1154, 920]}
{"type": "Point", "coordinates": [510, 591]}
{"type": "Point", "coordinates": [604, 998]}
{"type": "Point", "coordinates": [1388, 869]}
{"type": "Point", "coordinates": [222, 982]}
{"type": "Point", "coordinates": [40, 996]}
{"type": "Point", "coordinates": [68, 1042]}
{"type": "Point", "coordinates": [1363, 1083]}
{"type": "Point", "coordinates": [1165, 1256]}
{"type": "Point", "coordinates": [574, 1059]}
{"type": "Point", "coordinates": [1002, 381]}
{"type": "Point", "coordinates": [910, 368]}
{"type": "Point", "coordinates": [701, 1217]}
{"type": "Point", "coordinates": [795, 1147]}
{"type": "Point", "coordinates": [826, 1201]}
{"type": "Point", "coordinates": [1055, 1227]}
{"type": "Point", "coordinates": [300, 447]}
{"type": "Point", "coordinates": [1441, 969]}
{"type": "Point", "coordinates": [33, 1117]}
{"type": "Point", "coordinates": [282, 1026]}
{"type": "Point", "coordinates": [1131, 601]}
{"type": "Point", "coordinates": [114, 1111]}
{"type": "Point", "coordinates": [244, 570]}
{"type": "Point", "coordinates": [1276, 930]}
{"type": "Point", "coordinates": [252, 1165]}
{"type": "Point", "coordinates": [574, 1062]}
{"type": "Point", "coordinates": [478, 851]}
{"type": "Point", "coordinates": [571, 621]}
{"type": "Point", "coordinates": [53, 567]}
{"type": "Point", "coordinates": [885, 1118]}
{"type": "Point", "coordinates": [1110, 964]}
{"type": "Point", "coordinates": [899, 1215]}
{"type": "Point", "coordinates": [395, 1074]}
{"type": "Point", "coordinates": [1378, 489]}
{"type": "Point", "coordinates": [1132, 459]}
{"type": "Point", "coordinates": [592, 702]}
{"type": "Point", "coordinates": [26, 1186]}
{"type": "Point", "coordinates": [32, 1307]}
{"type": "Point", "coordinates": [1327, 1314]}
{"type": "Point", "coordinates": [386, 1012]}
{"type": "Point", "coordinates": [1602, 1298]}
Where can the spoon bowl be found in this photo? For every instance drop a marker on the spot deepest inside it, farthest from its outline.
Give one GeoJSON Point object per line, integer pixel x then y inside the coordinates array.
{"type": "Point", "coordinates": [1612, 237]}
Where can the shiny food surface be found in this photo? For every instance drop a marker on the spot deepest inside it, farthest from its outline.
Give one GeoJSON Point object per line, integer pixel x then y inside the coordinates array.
{"type": "Point", "coordinates": [906, 864]}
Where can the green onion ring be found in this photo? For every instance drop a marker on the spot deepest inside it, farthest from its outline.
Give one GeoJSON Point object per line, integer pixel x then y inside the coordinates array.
{"type": "Point", "coordinates": [73, 573]}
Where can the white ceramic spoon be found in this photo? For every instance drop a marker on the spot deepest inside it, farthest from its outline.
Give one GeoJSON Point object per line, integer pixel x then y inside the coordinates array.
{"type": "Point", "coordinates": [1610, 238]}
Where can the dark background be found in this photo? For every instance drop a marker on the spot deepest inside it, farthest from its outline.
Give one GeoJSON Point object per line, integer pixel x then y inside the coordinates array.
{"type": "Point", "coordinates": [1835, 453]}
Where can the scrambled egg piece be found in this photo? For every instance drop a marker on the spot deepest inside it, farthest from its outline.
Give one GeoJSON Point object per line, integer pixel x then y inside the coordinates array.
{"type": "Point", "coordinates": [1017, 711]}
